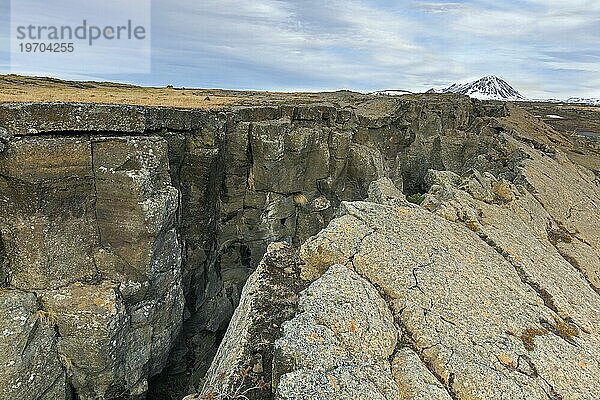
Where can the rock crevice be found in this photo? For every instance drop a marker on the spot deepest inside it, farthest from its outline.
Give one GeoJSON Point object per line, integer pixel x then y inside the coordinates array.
{"type": "Point", "coordinates": [141, 225]}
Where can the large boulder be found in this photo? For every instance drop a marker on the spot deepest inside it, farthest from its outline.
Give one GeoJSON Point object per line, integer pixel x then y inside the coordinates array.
{"type": "Point", "coordinates": [407, 304]}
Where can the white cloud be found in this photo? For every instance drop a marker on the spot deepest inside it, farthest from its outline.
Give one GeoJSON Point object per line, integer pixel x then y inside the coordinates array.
{"type": "Point", "coordinates": [375, 44]}
{"type": "Point", "coordinates": [439, 7]}
{"type": "Point", "coordinates": [338, 41]}
{"type": "Point", "coordinates": [515, 40]}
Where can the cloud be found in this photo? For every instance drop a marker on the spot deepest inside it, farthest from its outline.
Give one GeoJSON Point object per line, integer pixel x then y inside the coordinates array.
{"type": "Point", "coordinates": [532, 43]}
{"type": "Point", "coordinates": [374, 44]}
{"type": "Point", "coordinates": [344, 43]}
{"type": "Point", "coordinates": [439, 7]}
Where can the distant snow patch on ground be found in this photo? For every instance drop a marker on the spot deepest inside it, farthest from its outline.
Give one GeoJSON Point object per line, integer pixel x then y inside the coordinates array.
{"type": "Point", "coordinates": [579, 100]}
{"type": "Point", "coordinates": [392, 92]}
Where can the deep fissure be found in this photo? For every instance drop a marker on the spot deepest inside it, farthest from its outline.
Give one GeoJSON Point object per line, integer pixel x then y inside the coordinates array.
{"type": "Point", "coordinates": [248, 178]}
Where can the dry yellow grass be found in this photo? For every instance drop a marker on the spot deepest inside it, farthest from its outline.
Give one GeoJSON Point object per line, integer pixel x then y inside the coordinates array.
{"type": "Point", "coordinates": [20, 89]}
{"type": "Point", "coordinates": [17, 89]}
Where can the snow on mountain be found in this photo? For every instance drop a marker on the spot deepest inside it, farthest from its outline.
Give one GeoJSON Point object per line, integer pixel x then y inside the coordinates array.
{"type": "Point", "coordinates": [490, 88]}
{"type": "Point", "coordinates": [487, 88]}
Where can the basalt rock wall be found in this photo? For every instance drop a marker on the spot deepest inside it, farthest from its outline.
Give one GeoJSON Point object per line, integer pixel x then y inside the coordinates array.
{"type": "Point", "coordinates": [487, 289]}
{"type": "Point", "coordinates": [127, 233]}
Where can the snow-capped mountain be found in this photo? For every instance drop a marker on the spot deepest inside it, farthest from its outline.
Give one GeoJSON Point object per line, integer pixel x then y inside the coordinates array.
{"type": "Point", "coordinates": [487, 88]}
{"type": "Point", "coordinates": [491, 88]}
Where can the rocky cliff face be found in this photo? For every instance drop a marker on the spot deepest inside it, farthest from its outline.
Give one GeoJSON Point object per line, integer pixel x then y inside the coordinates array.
{"type": "Point", "coordinates": [127, 235]}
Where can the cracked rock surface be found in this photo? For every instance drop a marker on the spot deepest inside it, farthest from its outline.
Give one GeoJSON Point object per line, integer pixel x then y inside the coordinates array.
{"type": "Point", "coordinates": [88, 232]}
{"type": "Point", "coordinates": [463, 297]}
{"type": "Point", "coordinates": [279, 247]}
{"type": "Point", "coordinates": [338, 345]}
{"type": "Point", "coordinates": [243, 364]}
{"type": "Point", "coordinates": [31, 367]}
{"type": "Point", "coordinates": [464, 308]}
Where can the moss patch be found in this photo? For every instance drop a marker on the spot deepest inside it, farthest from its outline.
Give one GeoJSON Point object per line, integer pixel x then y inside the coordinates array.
{"type": "Point", "coordinates": [416, 198]}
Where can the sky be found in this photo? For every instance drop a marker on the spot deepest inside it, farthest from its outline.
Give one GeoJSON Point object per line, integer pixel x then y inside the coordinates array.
{"type": "Point", "coordinates": [544, 48]}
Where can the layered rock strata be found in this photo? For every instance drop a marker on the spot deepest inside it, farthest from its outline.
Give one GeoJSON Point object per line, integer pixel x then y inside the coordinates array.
{"type": "Point", "coordinates": [127, 234]}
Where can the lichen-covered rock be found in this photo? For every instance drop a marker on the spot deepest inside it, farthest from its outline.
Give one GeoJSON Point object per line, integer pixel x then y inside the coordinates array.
{"type": "Point", "coordinates": [90, 226]}
{"type": "Point", "coordinates": [4, 138]}
{"type": "Point", "coordinates": [520, 230]}
{"type": "Point", "coordinates": [35, 118]}
{"type": "Point", "coordinates": [337, 347]}
{"type": "Point", "coordinates": [383, 191]}
{"type": "Point", "coordinates": [347, 382]}
{"type": "Point", "coordinates": [93, 325]}
{"type": "Point", "coordinates": [414, 380]}
{"type": "Point", "coordinates": [570, 194]}
{"type": "Point", "coordinates": [479, 326]}
{"type": "Point", "coordinates": [29, 360]}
